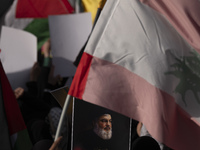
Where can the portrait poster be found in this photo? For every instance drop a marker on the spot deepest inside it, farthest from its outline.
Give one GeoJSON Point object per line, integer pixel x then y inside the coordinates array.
{"type": "Point", "coordinates": [97, 128]}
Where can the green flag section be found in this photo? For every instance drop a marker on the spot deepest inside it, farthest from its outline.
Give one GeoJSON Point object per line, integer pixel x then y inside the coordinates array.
{"type": "Point", "coordinates": [40, 28]}
{"type": "Point", "coordinates": [22, 141]}
{"type": "Point", "coordinates": [11, 114]}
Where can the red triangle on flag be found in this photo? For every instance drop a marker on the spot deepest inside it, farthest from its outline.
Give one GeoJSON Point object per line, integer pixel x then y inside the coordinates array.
{"type": "Point", "coordinates": [13, 114]}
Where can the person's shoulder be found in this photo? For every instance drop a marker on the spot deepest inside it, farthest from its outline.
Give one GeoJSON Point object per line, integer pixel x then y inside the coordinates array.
{"type": "Point", "coordinates": [83, 139]}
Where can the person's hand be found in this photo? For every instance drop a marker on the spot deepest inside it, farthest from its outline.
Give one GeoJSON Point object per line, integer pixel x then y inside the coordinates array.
{"type": "Point", "coordinates": [18, 92]}
{"type": "Point", "coordinates": [139, 126]}
{"type": "Point", "coordinates": [46, 48]}
{"type": "Point", "coordinates": [55, 144]}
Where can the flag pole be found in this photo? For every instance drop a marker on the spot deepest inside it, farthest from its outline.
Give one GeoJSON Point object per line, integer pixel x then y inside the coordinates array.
{"type": "Point", "coordinates": [100, 7]}
{"type": "Point", "coordinates": [62, 117]}
{"type": "Point", "coordinates": [76, 6]}
{"type": "Point", "coordinates": [67, 101]}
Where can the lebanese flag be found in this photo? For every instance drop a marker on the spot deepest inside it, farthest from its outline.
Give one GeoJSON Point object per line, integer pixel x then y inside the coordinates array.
{"type": "Point", "coordinates": [42, 8]}
{"type": "Point", "coordinates": [139, 62]}
{"type": "Point", "coordinates": [14, 134]}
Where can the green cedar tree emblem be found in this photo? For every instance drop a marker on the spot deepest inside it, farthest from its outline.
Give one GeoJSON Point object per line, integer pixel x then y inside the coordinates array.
{"type": "Point", "coordinates": [187, 69]}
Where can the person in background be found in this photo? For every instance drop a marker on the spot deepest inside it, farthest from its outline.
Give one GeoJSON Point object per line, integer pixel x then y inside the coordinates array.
{"type": "Point", "coordinates": [35, 103]}
{"type": "Point", "coordinates": [142, 131]}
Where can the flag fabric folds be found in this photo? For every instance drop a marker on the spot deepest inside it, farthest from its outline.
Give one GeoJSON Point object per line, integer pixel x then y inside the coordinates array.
{"type": "Point", "coordinates": [183, 15]}
{"type": "Point", "coordinates": [41, 9]}
{"type": "Point", "coordinates": [139, 64]}
{"type": "Point", "coordinates": [14, 134]}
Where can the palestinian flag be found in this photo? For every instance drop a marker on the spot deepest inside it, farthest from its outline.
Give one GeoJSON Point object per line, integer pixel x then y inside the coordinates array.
{"type": "Point", "coordinates": [14, 134]}
{"type": "Point", "coordinates": [32, 16]}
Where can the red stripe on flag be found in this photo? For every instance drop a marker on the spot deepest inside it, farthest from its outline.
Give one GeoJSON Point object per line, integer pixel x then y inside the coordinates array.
{"type": "Point", "coordinates": [78, 85]}
{"type": "Point", "coordinates": [13, 113]}
{"type": "Point", "coordinates": [116, 88]}
{"type": "Point", "coordinates": [68, 6]}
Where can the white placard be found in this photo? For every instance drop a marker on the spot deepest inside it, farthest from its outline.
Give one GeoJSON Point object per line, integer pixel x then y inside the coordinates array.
{"type": "Point", "coordinates": [68, 34]}
{"type": "Point", "coordinates": [18, 54]}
